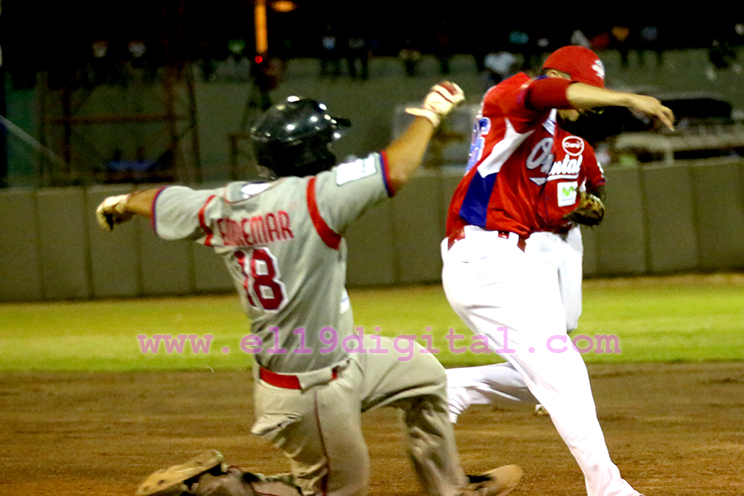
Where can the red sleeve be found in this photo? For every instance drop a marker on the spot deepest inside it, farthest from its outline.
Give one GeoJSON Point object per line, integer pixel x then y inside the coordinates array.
{"type": "Point", "coordinates": [507, 100]}
{"type": "Point", "coordinates": [547, 93]}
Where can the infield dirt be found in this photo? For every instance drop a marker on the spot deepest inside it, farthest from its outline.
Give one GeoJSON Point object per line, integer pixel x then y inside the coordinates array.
{"type": "Point", "coordinates": [673, 429]}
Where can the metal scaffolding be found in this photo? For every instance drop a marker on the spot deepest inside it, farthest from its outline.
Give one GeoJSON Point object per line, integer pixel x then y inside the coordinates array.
{"type": "Point", "coordinates": [114, 119]}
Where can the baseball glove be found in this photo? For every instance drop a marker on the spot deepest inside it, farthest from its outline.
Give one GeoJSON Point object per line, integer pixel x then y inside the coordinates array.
{"type": "Point", "coordinates": [207, 474]}
{"type": "Point", "coordinates": [589, 212]}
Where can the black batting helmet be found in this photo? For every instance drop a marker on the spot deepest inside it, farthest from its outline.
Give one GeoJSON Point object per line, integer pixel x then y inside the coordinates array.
{"type": "Point", "coordinates": [293, 138]}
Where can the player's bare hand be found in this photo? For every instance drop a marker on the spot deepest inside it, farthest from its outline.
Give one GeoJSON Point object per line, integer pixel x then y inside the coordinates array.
{"type": "Point", "coordinates": [652, 107]}
{"type": "Point", "coordinates": [440, 101]}
{"type": "Point", "coordinates": [112, 211]}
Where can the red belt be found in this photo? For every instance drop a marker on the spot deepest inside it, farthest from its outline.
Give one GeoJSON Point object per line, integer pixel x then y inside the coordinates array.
{"type": "Point", "coordinates": [285, 381]}
{"type": "Point", "coordinates": [459, 234]}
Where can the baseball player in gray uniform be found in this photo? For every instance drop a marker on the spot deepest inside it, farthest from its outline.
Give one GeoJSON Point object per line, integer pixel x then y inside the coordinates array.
{"type": "Point", "coordinates": [282, 242]}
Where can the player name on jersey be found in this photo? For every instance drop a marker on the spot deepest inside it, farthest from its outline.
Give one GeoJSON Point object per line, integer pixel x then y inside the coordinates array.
{"type": "Point", "coordinates": [255, 230]}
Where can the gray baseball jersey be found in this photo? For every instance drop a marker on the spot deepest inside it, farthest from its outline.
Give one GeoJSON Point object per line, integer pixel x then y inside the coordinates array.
{"type": "Point", "coordinates": [282, 243]}
{"type": "Point", "coordinates": [283, 246]}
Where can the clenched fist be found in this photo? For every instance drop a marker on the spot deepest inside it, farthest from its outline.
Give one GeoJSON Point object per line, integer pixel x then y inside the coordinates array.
{"type": "Point", "coordinates": [112, 211]}
{"type": "Point", "coordinates": [440, 101]}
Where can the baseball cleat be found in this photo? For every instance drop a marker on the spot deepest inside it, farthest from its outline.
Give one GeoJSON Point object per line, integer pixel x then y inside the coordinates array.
{"type": "Point", "coordinates": [171, 480]}
{"type": "Point", "coordinates": [497, 482]}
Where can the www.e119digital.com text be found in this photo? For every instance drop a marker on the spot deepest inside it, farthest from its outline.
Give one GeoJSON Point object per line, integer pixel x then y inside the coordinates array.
{"type": "Point", "coordinates": [329, 341]}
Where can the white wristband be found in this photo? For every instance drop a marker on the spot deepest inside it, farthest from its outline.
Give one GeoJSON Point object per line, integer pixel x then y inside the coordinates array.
{"type": "Point", "coordinates": [429, 114]}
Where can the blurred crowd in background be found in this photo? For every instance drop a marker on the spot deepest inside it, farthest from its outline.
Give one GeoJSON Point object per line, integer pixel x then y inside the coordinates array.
{"type": "Point", "coordinates": [61, 51]}
{"type": "Point", "coordinates": [94, 43]}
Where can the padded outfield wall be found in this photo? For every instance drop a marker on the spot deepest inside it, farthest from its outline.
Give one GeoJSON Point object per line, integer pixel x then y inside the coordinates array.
{"type": "Point", "coordinates": [660, 219]}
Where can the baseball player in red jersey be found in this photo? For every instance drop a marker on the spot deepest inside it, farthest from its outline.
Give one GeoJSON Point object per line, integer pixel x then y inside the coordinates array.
{"type": "Point", "coordinates": [526, 176]}
{"type": "Point", "coordinates": [282, 242]}
{"type": "Point", "coordinates": [562, 250]}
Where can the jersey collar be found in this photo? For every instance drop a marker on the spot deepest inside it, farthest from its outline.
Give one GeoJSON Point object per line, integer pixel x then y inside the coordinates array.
{"type": "Point", "coordinates": [551, 122]}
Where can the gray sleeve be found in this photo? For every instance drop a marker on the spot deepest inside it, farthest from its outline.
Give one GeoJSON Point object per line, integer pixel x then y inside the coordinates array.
{"type": "Point", "coordinates": [347, 190]}
{"type": "Point", "coordinates": [179, 212]}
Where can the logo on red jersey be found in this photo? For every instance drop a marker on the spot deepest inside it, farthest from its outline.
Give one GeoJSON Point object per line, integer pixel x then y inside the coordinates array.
{"type": "Point", "coordinates": [573, 145]}
{"type": "Point", "coordinates": [599, 69]}
{"type": "Point", "coordinates": [568, 167]}
{"type": "Point", "coordinates": [567, 193]}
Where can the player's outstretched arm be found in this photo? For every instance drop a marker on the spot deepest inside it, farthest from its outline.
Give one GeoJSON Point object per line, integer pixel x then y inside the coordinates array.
{"type": "Point", "coordinates": [117, 209]}
{"type": "Point", "coordinates": [405, 154]}
{"type": "Point", "coordinates": [586, 97]}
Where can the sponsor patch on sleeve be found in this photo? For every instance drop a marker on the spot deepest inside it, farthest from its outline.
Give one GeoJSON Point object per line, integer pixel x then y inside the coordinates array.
{"type": "Point", "coordinates": [355, 170]}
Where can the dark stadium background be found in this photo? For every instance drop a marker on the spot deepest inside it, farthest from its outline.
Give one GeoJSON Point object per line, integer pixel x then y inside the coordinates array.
{"type": "Point", "coordinates": [38, 35]}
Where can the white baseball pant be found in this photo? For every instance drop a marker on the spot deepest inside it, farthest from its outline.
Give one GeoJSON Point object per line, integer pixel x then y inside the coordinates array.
{"type": "Point", "coordinates": [501, 384]}
{"type": "Point", "coordinates": [565, 254]}
{"type": "Point", "coordinates": [514, 300]}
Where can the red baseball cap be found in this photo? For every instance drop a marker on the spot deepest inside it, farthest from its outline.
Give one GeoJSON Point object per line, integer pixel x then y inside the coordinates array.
{"type": "Point", "coordinates": [582, 64]}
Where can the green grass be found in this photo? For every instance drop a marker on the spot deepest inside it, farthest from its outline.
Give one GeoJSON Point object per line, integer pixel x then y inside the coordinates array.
{"type": "Point", "coordinates": [669, 319]}
{"type": "Point", "coordinates": [102, 335]}
{"type": "Point", "coordinates": [684, 318]}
